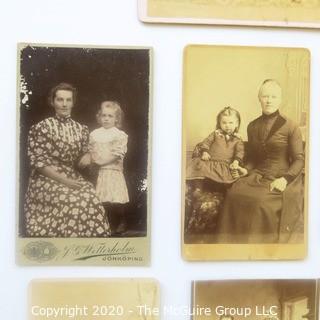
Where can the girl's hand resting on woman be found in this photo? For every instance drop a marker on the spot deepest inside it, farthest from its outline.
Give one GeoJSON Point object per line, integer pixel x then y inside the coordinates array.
{"type": "Point", "coordinates": [84, 161]}
{"type": "Point", "coordinates": [234, 165]}
{"type": "Point", "coordinates": [205, 156]}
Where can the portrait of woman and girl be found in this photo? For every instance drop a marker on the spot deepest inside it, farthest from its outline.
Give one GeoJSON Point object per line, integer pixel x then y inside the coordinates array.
{"type": "Point", "coordinates": [260, 181]}
{"type": "Point", "coordinates": [59, 202]}
{"type": "Point", "coordinates": [84, 147]}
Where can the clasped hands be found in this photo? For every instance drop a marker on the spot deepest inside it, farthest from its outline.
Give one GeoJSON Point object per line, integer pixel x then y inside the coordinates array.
{"type": "Point", "coordinates": [278, 184]}
{"type": "Point", "coordinates": [237, 171]}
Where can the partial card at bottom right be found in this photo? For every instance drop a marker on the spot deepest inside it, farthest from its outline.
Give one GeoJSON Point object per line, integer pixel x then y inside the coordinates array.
{"type": "Point", "coordinates": [255, 300]}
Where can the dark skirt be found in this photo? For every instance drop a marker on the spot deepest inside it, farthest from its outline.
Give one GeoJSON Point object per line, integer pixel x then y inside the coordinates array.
{"type": "Point", "coordinates": [254, 214]}
{"type": "Point", "coordinates": [215, 170]}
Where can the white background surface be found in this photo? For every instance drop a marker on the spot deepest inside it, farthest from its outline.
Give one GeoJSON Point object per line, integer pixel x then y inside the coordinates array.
{"type": "Point", "coordinates": [115, 22]}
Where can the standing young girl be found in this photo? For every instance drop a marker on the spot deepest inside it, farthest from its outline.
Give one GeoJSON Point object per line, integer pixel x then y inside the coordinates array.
{"type": "Point", "coordinates": [218, 158]}
{"type": "Point", "coordinates": [108, 146]}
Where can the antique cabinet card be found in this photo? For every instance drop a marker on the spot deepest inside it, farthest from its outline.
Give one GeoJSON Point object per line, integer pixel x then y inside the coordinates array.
{"type": "Point", "coordinates": [89, 299]}
{"type": "Point", "coordinates": [255, 299]}
{"type": "Point", "coordinates": [279, 13]}
{"type": "Point", "coordinates": [245, 153]}
{"type": "Point", "coordinates": [84, 123]}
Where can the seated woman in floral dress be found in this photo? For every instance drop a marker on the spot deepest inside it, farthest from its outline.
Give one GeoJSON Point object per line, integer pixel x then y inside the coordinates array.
{"type": "Point", "coordinates": [59, 202]}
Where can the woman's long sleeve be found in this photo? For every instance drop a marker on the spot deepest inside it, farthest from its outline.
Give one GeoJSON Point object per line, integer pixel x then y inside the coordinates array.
{"type": "Point", "coordinates": [239, 151]}
{"type": "Point", "coordinates": [296, 154]}
{"type": "Point", "coordinates": [40, 150]}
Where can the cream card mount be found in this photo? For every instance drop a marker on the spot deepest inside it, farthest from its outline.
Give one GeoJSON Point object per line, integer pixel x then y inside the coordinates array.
{"type": "Point", "coordinates": [89, 299]}
{"type": "Point", "coordinates": [245, 153]}
{"type": "Point", "coordinates": [282, 13]}
{"type": "Point", "coordinates": [84, 178]}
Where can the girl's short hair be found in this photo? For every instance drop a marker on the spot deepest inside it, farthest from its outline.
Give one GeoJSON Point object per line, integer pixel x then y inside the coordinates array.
{"type": "Point", "coordinates": [62, 86]}
{"type": "Point", "coordinates": [114, 105]}
{"type": "Point", "coordinates": [228, 111]}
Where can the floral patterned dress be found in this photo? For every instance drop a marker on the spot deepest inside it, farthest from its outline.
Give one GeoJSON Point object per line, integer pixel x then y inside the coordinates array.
{"type": "Point", "coordinates": [52, 209]}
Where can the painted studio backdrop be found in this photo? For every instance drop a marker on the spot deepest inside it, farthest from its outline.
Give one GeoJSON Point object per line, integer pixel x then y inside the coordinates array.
{"type": "Point", "coordinates": [218, 77]}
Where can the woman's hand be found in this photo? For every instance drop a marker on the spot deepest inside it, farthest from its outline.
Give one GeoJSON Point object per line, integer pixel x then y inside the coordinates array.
{"type": "Point", "coordinates": [85, 161]}
{"type": "Point", "coordinates": [242, 171]}
{"type": "Point", "coordinates": [205, 156]}
{"type": "Point", "coordinates": [53, 174]}
{"type": "Point", "coordinates": [73, 184]}
{"type": "Point", "coordinates": [279, 184]}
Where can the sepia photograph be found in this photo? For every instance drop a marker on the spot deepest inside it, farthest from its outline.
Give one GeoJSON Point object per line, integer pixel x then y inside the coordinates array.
{"type": "Point", "coordinates": [272, 13]}
{"type": "Point", "coordinates": [255, 299]}
{"type": "Point", "coordinates": [83, 139]}
{"type": "Point", "coordinates": [89, 299]}
{"type": "Point", "coordinates": [245, 152]}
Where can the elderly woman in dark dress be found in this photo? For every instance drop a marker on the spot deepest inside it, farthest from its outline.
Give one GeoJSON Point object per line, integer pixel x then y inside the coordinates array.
{"type": "Point", "coordinates": [265, 204]}
{"type": "Point", "coordinates": [59, 202]}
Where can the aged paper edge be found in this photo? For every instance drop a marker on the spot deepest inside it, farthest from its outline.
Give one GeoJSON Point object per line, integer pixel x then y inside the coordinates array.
{"type": "Point", "coordinates": [145, 17]}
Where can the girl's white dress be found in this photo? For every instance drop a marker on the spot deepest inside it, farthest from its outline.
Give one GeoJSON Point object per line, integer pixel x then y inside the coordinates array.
{"type": "Point", "coordinates": [111, 184]}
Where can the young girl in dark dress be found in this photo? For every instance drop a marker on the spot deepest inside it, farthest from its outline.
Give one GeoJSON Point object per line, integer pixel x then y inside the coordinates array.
{"type": "Point", "coordinates": [217, 155]}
